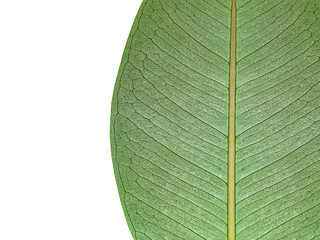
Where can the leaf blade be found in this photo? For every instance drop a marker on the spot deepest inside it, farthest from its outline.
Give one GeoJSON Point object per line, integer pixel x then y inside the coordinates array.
{"type": "Point", "coordinates": [169, 131]}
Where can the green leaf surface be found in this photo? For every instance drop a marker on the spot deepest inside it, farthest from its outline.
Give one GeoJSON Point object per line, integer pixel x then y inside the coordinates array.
{"type": "Point", "coordinates": [170, 121]}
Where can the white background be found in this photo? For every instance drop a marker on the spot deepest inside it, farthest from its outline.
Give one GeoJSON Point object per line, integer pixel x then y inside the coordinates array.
{"type": "Point", "coordinates": [58, 64]}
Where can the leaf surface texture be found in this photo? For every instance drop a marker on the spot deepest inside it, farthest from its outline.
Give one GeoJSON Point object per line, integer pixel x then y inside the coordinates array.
{"type": "Point", "coordinates": [169, 120]}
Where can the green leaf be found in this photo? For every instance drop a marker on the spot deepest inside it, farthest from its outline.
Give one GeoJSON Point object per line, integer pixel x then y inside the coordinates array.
{"type": "Point", "coordinates": [215, 122]}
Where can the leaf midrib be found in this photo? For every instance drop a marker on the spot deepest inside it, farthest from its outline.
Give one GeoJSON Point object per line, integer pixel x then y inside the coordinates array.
{"type": "Point", "coordinates": [231, 127]}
